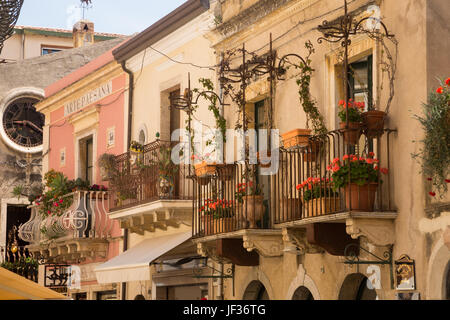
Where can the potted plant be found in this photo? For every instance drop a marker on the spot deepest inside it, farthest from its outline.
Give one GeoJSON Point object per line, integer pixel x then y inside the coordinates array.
{"type": "Point", "coordinates": [136, 152]}
{"type": "Point", "coordinates": [359, 177]}
{"type": "Point", "coordinates": [373, 122]}
{"type": "Point", "coordinates": [296, 138]}
{"type": "Point", "coordinates": [166, 172]}
{"type": "Point", "coordinates": [352, 133]}
{"type": "Point", "coordinates": [318, 197]}
{"type": "Point", "coordinates": [251, 197]}
{"type": "Point", "coordinates": [217, 216]}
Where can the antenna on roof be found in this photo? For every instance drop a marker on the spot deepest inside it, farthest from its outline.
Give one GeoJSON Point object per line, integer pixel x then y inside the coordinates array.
{"type": "Point", "coordinates": [85, 6]}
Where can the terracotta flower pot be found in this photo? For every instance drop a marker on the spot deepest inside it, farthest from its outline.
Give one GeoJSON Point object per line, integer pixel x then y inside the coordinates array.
{"type": "Point", "coordinates": [224, 225]}
{"type": "Point", "coordinates": [214, 226]}
{"type": "Point", "coordinates": [296, 138]}
{"type": "Point", "coordinates": [373, 121]}
{"type": "Point", "coordinates": [352, 134]}
{"type": "Point", "coordinates": [321, 206]}
{"type": "Point", "coordinates": [204, 169]}
{"type": "Point", "coordinates": [362, 197]}
{"type": "Point", "coordinates": [253, 209]}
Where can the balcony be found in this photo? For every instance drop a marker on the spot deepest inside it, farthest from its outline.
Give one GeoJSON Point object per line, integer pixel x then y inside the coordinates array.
{"type": "Point", "coordinates": [20, 261]}
{"type": "Point", "coordinates": [148, 191]}
{"type": "Point", "coordinates": [309, 197]}
{"type": "Point", "coordinates": [80, 232]}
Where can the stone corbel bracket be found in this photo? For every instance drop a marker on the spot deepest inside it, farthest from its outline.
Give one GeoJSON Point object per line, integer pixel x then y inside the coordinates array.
{"type": "Point", "coordinates": [379, 232]}
{"type": "Point", "coordinates": [266, 245]}
{"type": "Point", "coordinates": [296, 238]}
{"type": "Point", "coordinates": [210, 252]}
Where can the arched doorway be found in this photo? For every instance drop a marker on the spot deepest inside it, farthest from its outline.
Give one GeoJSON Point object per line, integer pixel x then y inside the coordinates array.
{"type": "Point", "coordinates": [302, 293]}
{"type": "Point", "coordinates": [256, 291]}
{"type": "Point", "coordinates": [355, 287]}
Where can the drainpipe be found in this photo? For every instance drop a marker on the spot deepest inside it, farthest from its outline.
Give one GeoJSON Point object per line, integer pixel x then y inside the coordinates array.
{"type": "Point", "coordinates": [130, 118]}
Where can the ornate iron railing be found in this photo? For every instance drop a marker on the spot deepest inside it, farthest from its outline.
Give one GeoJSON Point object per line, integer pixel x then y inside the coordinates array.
{"type": "Point", "coordinates": [19, 260]}
{"type": "Point", "coordinates": [224, 202]}
{"type": "Point", "coordinates": [314, 161]}
{"type": "Point", "coordinates": [85, 218]}
{"type": "Point", "coordinates": [219, 208]}
{"type": "Point", "coordinates": [148, 176]}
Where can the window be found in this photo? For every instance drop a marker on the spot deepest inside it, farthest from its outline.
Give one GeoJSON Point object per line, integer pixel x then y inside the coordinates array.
{"type": "Point", "coordinates": [107, 295]}
{"type": "Point", "coordinates": [360, 81]}
{"type": "Point", "coordinates": [175, 114]}
{"type": "Point", "coordinates": [87, 159]}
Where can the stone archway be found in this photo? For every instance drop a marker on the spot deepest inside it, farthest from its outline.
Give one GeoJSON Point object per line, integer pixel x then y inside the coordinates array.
{"type": "Point", "coordinates": [305, 281]}
{"type": "Point", "coordinates": [302, 293]}
{"type": "Point", "coordinates": [250, 285]}
{"type": "Point", "coordinates": [438, 272]}
{"type": "Point", "coordinates": [355, 287]}
{"type": "Point", "coordinates": [255, 291]}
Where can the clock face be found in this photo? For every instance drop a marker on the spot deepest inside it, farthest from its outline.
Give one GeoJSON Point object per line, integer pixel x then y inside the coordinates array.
{"type": "Point", "coordinates": [23, 124]}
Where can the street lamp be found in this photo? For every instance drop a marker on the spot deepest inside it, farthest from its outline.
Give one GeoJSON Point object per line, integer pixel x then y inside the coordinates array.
{"type": "Point", "coordinates": [9, 13]}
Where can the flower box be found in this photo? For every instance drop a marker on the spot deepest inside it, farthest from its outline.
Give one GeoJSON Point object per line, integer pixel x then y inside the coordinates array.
{"type": "Point", "coordinates": [205, 169]}
{"type": "Point", "coordinates": [296, 138]}
{"type": "Point", "coordinates": [321, 206]}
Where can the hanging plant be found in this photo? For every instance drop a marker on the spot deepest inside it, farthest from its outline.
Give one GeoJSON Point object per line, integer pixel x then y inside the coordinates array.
{"type": "Point", "coordinates": [309, 104]}
{"type": "Point", "coordinates": [435, 155]}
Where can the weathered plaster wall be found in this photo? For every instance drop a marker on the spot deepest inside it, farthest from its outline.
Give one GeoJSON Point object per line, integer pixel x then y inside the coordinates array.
{"type": "Point", "coordinates": [419, 26]}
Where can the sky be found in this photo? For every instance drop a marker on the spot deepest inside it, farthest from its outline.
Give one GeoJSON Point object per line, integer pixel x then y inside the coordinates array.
{"type": "Point", "coordinates": [110, 16]}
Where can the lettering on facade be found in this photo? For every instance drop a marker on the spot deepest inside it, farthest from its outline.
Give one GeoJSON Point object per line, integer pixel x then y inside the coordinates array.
{"type": "Point", "coordinates": [87, 99]}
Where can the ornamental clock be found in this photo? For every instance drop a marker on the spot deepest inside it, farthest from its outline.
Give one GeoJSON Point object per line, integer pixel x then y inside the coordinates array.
{"type": "Point", "coordinates": [23, 125]}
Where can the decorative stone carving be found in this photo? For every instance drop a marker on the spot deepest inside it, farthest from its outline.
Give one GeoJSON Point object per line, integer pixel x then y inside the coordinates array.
{"type": "Point", "coordinates": [380, 232]}
{"type": "Point", "coordinates": [446, 237]}
{"type": "Point", "coordinates": [297, 238]}
{"type": "Point", "coordinates": [209, 251]}
{"type": "Point", "coordinates": [266, 245]}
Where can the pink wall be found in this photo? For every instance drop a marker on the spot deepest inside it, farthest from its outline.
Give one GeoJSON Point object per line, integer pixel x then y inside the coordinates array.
{"type": "Point", "coordinates": [62, 136]}
{"type": "Point", "coordinates": [62, 132]}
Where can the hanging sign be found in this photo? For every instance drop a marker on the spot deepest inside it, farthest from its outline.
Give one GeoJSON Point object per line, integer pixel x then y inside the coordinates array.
{"type": "Point", "coordinates": [405, 273]}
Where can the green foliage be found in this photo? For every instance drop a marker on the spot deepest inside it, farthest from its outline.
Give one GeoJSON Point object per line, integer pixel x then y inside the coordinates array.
{"type": "Point", "coordinates": [355, 110]}
{"type": "Point", "coordinates": [217, 208]}
{"type": "Point", "coordinates": [354, 170]}
{"type": "Point", "coordinates": [435, 155]}
{"type": "Point", "coordinates": [314, 188]}
{"type": "Point", "coordinates": [313, 115]}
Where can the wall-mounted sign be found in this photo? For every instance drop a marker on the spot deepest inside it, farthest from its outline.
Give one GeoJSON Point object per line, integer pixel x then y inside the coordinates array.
{"type": "Point", "coordinates": [56, 276]}
{"type": "Point", "coordinates": [87, 99]}
{"type": "Point", "coordinates": [405, 273]}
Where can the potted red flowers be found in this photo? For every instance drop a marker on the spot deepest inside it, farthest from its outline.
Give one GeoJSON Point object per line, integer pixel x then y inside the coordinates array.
{"type": "Point", "coordinates": [359, 177]}
{"type": "Point", "coordinates": [217, 216]}
{"type": "Point", "coordinates": [318, 196]}
{"type": "Point", "coordinates": [352, 133]}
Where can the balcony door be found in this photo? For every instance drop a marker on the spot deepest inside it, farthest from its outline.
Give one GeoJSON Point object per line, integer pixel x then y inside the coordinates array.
{"type": "Point", "coordinates": [86, 159]}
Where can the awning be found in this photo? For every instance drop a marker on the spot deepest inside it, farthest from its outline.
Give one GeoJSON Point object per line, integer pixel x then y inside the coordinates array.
{"type": "Point", "coordinates": [133, 264]}
{"type": "Point", "coordinates": [15, 287]}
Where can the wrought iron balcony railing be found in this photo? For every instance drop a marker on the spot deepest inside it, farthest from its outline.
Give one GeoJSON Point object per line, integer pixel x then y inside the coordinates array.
{"type": "Point", "coordinates": [225, 202]}
{"type": "Point", "coordinates": [20, 261]}
{"type": "Point", "coordinates": [148, 176]}
{"type": "Point", "coordinates": [313, 179]}
{"type": "Point", "coordinates": [85, 218]}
